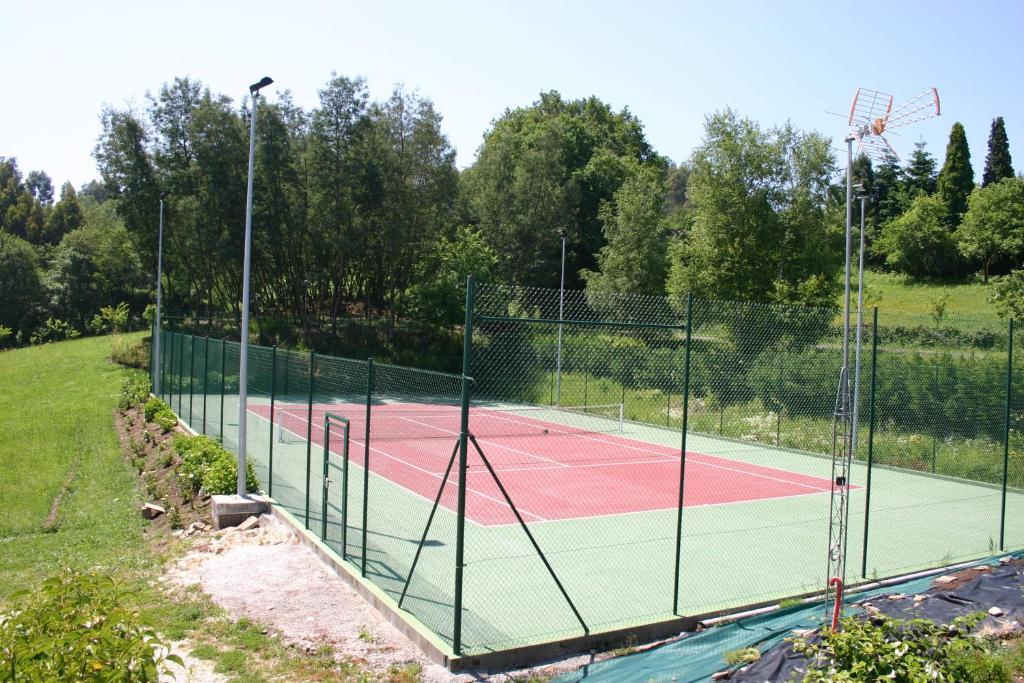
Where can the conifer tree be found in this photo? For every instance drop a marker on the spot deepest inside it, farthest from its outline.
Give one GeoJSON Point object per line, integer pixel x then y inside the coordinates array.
{"type": "Point", "coordinates": [956, 179]}
{"type": "Point", "coordinates": [998, 164]}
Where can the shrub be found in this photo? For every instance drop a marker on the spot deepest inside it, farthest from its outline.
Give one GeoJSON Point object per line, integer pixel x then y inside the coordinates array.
{"type": "Point", "coordinates": [152, 407]}
{"type": "Point", "coordinates": [134, 390]}
{"type": "Point", "coordinates": [197, 454]}
{"type": "Point", "coordinates": [889, 649]}
{"type": "Point", "coordinates": [78, 627]}
{"type": "Point", "coordinates": [131, 354]}
{"type": "Point", "coordinates": [54, 330]}
{"type": "Point", "coordinates": [6, 336]}
{"type": "Point", "coordinates": [166, 419]}
{"type": "Point", "coordinates": [221, 477]}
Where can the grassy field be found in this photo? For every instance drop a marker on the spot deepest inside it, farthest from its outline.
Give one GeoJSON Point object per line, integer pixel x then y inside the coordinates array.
{"type": "Point", "coordinates": [57, 439]}
{"type": "Point", "coordinates": [895, 293]}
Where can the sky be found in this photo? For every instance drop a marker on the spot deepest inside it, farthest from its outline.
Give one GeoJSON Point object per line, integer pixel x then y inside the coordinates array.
{"type": "Point", "coordinates": [670, 63]}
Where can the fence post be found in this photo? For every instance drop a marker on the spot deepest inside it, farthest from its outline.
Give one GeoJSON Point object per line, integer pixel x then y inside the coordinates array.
{"type": "Point", "coordinates": [935, 411]}
{"type": "Point", "coordinates": [682, 452]}
{"type": "Point", "coordinates": [223, 368]}
{"type": "Point", "coordinates": [309, 432]}
{"type": "Point", "coordinates": [778, 406]}
{"type": "Point", "coordinates": [191, 374]}
{"type": "Point", "coordinates": [460, 522]}
{"type": "Point", "coordinates": [165, 366]}
{"type": "Point", "coordinates": [273, 398]}
{"type": "Point", "coordinates": [206, 376]}
{"type": "Point", "coordinates": [181, 369]}
{"type": "Point", "coordinates": [871, 439]}
{"type": "Point", "coordinates": [586, 372]}
{"type": "Point", "coordinates": [366, 458]}
{"type": "Point", "coordinates": [1006, 439]}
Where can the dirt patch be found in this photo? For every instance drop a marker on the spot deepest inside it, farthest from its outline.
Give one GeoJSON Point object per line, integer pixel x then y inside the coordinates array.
{"type": "Point", "coordinates": [51, 519]}
{"type": "Point", "coordinates": [951, 582]}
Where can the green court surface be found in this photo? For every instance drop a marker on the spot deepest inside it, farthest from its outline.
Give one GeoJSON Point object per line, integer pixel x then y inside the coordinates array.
{"type": "Point", "coordinates": [617, 568]}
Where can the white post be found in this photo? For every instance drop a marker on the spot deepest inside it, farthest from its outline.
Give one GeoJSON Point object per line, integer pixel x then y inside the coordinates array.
{"type": "Point", "coordinates": [157, 358]}
{"type": "Point", "coordinates": [243, 353]}
{"type": "Point", "coordinates": [860, 326]}
{"type": "Point", "coordinates": [561, 316]}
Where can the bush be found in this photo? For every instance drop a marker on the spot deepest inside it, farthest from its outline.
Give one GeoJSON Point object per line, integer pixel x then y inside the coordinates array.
{"type": "Point", "coordinates": [889, 649]}
{"type": "Point", "coordinates": [154, 406]}
{"type": "Point", "coordinates": [78, 627]}
{"type": "Point", "coordinates": [197, 454]}
{"type": "Point", "coordinates": [131, 354]}
{"type": "Point", "coordinates": [221, 477]}
{"type": "Point", "coordinates": [166, 419]}
{"type": "Point", "coordinates": [134, 390]}
{"type": "Point", "coordinates": [54, 330]}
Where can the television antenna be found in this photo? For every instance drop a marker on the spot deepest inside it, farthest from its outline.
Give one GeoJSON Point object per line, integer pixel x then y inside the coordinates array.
{"type": "Point", "coordinates": [871, 115]}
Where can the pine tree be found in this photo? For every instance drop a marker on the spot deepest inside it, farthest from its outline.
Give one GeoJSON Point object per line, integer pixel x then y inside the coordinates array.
{"type": "Point", "coordinates": [998, 164]}
{"type": "Point", "coordinates": [919, 175]}
{"type": "Point", "coordinates": [956, 179]}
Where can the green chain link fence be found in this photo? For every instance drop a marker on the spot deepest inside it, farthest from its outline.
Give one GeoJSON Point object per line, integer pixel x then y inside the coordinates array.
{"type": "Point", "coordinates": [609, 461]}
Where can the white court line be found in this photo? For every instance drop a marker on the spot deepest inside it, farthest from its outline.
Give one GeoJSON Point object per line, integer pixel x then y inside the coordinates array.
{"type": "Point", "coordinates": [435, 475]}
{"type": "Point", "coordinates": [698, 462]}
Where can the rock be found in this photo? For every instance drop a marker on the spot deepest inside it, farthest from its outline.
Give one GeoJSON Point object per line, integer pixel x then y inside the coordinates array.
{"type": "Point", "coordinates": [1005, 560]}
{"type": "Point", "coordinates": [721, 676]}
{"type": "Point", "coordinates": [199, 526]}
{"type": "Point", "coordinates": [995, 612]}
{"type": "Point", "coordinates": [250, 523]}
{"type": "Point", "coordinates": [897, 596]}
{"type": "Point", "coordinates": [918, 599]}
{"type": "Point", "coordinates": [152, 511]}
{"type": "Point", "coordinates": [943, 580]}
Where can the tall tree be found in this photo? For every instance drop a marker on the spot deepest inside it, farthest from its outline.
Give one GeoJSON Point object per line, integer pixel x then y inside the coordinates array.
{"type": "Point", "coordinates": [919, 242]}
{"type": "Point", "coordinates": [760, 230]}
{"type": "Point", "coordinates": [998, 164]}
{"type": "Point", "coordinates": [41, 187]}
{"type": "Point", "coordinates": [20, 283]}
{"type": "Point", "coordinates": [65, 216]}
{"type": "Point", "coordinates": [919, 174]}
{"type": "Point", "coordinates": [993, 227]}
{"type": "Point", "coordinates": [956, 179]}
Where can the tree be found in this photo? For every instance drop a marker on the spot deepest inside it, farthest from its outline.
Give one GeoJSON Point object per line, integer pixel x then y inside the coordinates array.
{"type": "Point", "coordinates": [634, 259]}
{"type": "Point", "coordinates": [998, 164]}
{"type": "Point", "coordinates": [993, 226]}
{"type": "Point", "coordinates": [548, 167]}
{"type": "Point", "coordinates": [760, 227]}
{"type": "Point", "coordinates": [919, 174]}
{"type": "Point", "coordinates": [956, 179]}
{"type": "Point", "coordinates": [918, 242]}
{"type": "Point", "coordinates": [439, 293]}
{"type": "Point", "coordinates": [65, 216]}
{"type": "Point", "coordinates": [21, 285]}
{"type": "Point", "coordinates": [41, 187]}
{"type": "Point", "coordinates": [1008, 295]}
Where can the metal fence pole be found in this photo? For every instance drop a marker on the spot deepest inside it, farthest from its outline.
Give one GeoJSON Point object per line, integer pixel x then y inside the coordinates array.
{"type": "Point", "coordinates": [366, 458]}
{"type": "Point", "coordinates": [1006, 438]}
{"type": "Point", "coordinates": [181, 369]}
{"type": "Point", "coordinates": [682, 453]}
{"type": "Point", "coordinates": [273, 397]}
{"type": "Point", "coordinates": [309, 431]}
{"type": "Point", "coordinates": [223, 369]}
{"type": "Point", "coordinates": [191, 373]}
{"type": "Point", "coordinates": [460, 523]}
{"type": "Point", "coordinates": [871, 439]}
{"type": "Point", "coordinates": [206, 376]}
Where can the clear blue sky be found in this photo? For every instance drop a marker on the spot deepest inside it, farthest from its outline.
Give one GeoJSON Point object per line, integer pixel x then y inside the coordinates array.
{"type": "Point", "coordinates": [670, 63]}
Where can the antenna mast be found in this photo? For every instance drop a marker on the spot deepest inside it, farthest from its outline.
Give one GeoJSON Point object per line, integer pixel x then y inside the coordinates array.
{"type": "Point", "coordinates": [871, 114]}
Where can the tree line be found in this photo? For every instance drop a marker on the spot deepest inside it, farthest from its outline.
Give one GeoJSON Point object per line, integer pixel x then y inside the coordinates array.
{"type": "Point", "coordinates": [359, 208]}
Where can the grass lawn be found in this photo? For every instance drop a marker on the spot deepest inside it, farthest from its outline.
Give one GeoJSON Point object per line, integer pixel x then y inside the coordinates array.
{"type": "Point", "coordinates": [56, 432]}
{"type": "Point", "coordinates": [896, 293]}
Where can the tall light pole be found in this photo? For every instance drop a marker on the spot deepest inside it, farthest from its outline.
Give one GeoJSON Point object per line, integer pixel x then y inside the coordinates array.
{"type": "Point", "coordinates": [862, 194]}
{"type": "Point", "coordinates": [561, 316]}
{"type": "Point", "coordinates": [243, 353]}
{"type": "Point", "coordinates": [157, 365]}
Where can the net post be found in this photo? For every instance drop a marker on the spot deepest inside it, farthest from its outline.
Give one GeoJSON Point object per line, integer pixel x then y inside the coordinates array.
{"type": "Point", "coordinates": [682, 452]}
{"type": "Point", "coordinates": [223, 367]}
{"type": "Point", "coordinates": [1006, 437]}
{"type": "Point", "coordinates": [206, 376]}
{"type": "Point", "coordinates": [309, 431]}
{"type": "Point", "coordinates": [273, 398]}
{"type": "Point", "coordinates": [191, 373]}
{"type": "Point", "coordinates": [871, 440]}
{"type": "Point", "coordinates": [460, 523]}
{"type": "Point", "coordinates": [366, 459]}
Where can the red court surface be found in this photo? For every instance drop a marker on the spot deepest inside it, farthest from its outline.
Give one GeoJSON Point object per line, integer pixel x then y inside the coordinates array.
{"type": "Point", "coordinates": [550, 471]}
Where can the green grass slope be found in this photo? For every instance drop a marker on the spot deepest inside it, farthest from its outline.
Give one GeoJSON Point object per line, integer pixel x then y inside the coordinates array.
{"type": "Point", "coordinates": [56, 431]}
{"type": "Point", "coordinates": [896, 293]}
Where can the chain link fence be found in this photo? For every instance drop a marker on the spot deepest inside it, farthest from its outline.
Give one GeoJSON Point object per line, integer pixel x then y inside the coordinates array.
{"type": "Point", "coordinates": [611, 461]}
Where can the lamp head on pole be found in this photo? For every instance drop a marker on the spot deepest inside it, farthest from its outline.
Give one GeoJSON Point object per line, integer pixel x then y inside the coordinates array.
{"type": "Point", "coordinates": [254, 89]}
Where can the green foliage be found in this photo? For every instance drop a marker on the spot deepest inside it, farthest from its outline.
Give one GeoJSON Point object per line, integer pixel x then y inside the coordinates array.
{"type": "Point", "coordinates": [134, 390]}
{"type": "Point", "coordinates": [197, 453]}
{"type": "Point", "coordinates": [54, 330]}
{"type": "Point", "coordinates": [915, 651]}
{"type": "Point", "coordinates": [956, 179]}
{"type": "Point", "coordinates": [919, 176]}
{"type": "Point", "coordinates": [998, 163]}
{"type": "Point", "coordinates": [134, 354]}
{"type": "Point", "coordinates": [20, 283]}
{"type": "Point", "coordinates": [919, 242]}
{"type": "Point", "coordinates": [165, 419]}
{"type": "Point", "coordinates": [221, 477]}
{"type": "Point", "coordinates": [747, 655]}
{"type": "Point", "coordinates": [153, 406]}
{"type": "Point", "coordinates": [993, 226]}
{"type": "Point", "coordinates": [78, 627]}
{"type": "Point", "coordinates": [110, 319]}
{"type": "Point", "coordinates": [1008, 295]}
{"type": "Point", "coordinates": [760, 230]}
{"type": "Point", "coordinates": [6, 336]}
{"type": "Point", "coordinates": [439, 292]}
